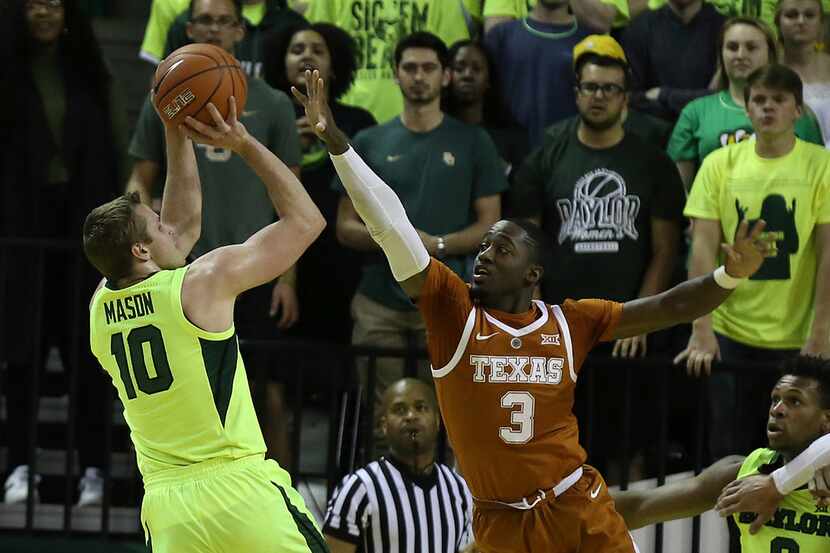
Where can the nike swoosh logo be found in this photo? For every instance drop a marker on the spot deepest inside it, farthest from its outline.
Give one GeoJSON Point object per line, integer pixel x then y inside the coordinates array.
{"type": "Point", "coordinates": [393, 158]}
{"type": "Point", "coordinates": [480, 337]}
{"type": "Point", "coordinates": [595, 493]}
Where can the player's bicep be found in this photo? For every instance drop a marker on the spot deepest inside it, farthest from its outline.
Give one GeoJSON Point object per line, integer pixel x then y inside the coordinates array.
{"type": "Point", "coordinates": [260, 259]}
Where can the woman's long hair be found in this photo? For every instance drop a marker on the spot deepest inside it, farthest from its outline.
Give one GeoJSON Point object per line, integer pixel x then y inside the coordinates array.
{"type": "Point", "coordinates": [769, 36]}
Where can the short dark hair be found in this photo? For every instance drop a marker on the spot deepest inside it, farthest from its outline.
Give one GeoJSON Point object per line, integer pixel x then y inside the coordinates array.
{"type": "Point", "coordinates": [537, 240]}
{"type": "Point", "coordinates": [110, 230]}
{"type": "Point", "coordinates": [813, 367]}
{"type": "Point", "coordinates": [236, 4]}
{"type": "Point", "coordinates": [776, 77]}
{"type": "Point", "coordinates": [341, 50]}
{"type": "Point", "coordinates": [603, 61]}
{"type": "Point", "coordinates": [422, 39]}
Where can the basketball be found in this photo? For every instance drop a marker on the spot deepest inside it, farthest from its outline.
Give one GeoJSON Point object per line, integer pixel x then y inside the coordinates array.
{"type": "Point", "coordinates": [190, 77]}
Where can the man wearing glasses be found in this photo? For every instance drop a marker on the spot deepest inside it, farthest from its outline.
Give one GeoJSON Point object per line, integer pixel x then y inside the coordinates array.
{"type": "Point", "coordinates": [610, 203]}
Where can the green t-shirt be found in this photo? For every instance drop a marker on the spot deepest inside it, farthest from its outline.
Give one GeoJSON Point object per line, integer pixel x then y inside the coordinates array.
{"type": "Point", "coordinates": [799, 526]}
{"type": "Point", "coordinates": [520, 8]}
{"type": "Point", "coordinates": [185, 392]}
{"type": "Point", "coordinates": [437, 175]}
{"type": "Point", "coordinates": [235, 203]}
{"type": "Point", "coordinates": [376, 27]}
{"type": "Point", "coordinates": [774, 308]}
{"type": "Point", "coordinates": [716, 120]}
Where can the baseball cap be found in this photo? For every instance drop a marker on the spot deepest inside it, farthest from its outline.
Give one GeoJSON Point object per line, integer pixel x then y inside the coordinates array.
{"type": "Point", "coordinates": [603, 45]}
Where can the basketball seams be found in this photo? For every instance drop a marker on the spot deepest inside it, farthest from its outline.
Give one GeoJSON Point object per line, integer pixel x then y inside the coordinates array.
{"type": "Point", "coordinates": [191, 76]}
{"type": "Point", "coordinates": [181, 57]}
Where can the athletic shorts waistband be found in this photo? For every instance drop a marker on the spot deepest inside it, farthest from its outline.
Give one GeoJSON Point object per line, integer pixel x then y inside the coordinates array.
{"type": "Point", "coordinates": [199, 471]}
{"type": "Point", "coordinates": [529, 502]}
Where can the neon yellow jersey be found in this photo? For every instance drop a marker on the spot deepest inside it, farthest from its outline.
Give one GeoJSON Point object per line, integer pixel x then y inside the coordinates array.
{"type": "Point", "coordinates": [798, 525]}
{"type": "Point", "coordinates": [520, 8]}
{"type": "Point", "coordinates": [185, 394]}
{"type": "Point", "coordinates": [376, 28]}
{"type": "Point", "coordinates": [162, 14]}
{"type": "Point", "coordinates": [774, 308]}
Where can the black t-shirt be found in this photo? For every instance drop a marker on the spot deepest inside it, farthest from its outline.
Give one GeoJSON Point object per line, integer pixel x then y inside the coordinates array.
{"type": "Point", "coordinates": [596, 208]}
{"type": "Point", "coordinates": [326, 259]}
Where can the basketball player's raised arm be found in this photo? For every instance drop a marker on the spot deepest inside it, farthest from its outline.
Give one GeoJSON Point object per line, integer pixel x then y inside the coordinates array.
{"type": "Point", "coordinates": [274, 249]}
{"type": "Point", "coordinates": [181, 204]}
{"type": "Point", "coordinates": [682, 499]}
{"type": "Point", "coordinates": [376, 203]}
{"type": "Point", "coordinates": [698, 296]}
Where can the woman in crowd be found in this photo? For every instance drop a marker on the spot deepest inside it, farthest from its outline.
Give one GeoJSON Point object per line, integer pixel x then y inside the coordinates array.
{"type": "Point", "coordinates": [473, 97]}
{"type": "Point", "coordinates": [717, 120]}
{"type": "Point", "coordinates": [324, 309]}
{"type": "Point", "coordinates": [64, 152]}
{"type": "Point", "coordinates": [800, 26]}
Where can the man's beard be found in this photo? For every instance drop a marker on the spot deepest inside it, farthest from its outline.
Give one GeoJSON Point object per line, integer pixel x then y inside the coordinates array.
{"type": "Point", "coordinates": [423, 98]}
{"type": "Point", "coordinates": [602, 125]}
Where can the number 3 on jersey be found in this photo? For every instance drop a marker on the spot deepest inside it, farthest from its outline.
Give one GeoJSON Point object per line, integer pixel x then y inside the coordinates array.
{"type": "Point", "coordinates": [136, 339]}
{"type": "Point", "coordinates": [521, 419]}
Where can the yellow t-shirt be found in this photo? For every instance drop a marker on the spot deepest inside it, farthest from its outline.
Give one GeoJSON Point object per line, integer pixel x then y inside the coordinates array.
{"type": "Point", "coordinates": [762, 9]}
{"type": "Point", "coordinates": [774, 308]}
{"type": "Point", "coordinates": [185, 394]}
{"type": "Point", "coordinates": [162, 14]}
{"type": "Point", "coordinates": [520, 8]}
{"type": "Point", "coordinates": [376, 28]}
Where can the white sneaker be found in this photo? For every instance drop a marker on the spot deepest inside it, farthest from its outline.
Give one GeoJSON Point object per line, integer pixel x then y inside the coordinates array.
{"type": "Point", "coordinates": [17, 485]}
{"type": "Point", "coordinates": [91, 487]}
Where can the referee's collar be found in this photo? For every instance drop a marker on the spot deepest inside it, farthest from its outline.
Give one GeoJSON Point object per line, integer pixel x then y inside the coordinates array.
{"type": "Point", "coordinates": [423, 481]}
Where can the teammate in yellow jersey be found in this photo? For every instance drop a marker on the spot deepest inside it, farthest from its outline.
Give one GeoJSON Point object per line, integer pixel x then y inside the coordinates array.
{"type": "Point", "coordinates": [779, 499]}
{"type": "Point", "coordinates": [164, 332]}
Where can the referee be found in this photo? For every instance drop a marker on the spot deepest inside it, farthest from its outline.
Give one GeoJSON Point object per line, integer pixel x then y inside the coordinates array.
{"type": "Point", "coordinates": [405, 502]}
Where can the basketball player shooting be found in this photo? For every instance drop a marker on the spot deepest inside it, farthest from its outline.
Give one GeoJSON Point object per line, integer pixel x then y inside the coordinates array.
{"type": "Point", "coordinates": [505, 366]}
{"type": "Point", "coordinates": [164, 332]}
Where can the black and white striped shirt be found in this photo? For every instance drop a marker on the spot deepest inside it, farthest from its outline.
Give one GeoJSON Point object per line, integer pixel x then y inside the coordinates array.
{"type": "Point", "coordinates": [382, 508]}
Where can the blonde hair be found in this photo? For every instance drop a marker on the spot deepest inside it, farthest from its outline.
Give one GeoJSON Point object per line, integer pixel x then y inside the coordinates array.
{"type": "Point", "coordinates": [110, 230]}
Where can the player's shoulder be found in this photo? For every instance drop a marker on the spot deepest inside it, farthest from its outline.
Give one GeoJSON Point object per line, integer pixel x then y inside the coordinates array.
{"type": "Point", "coordinates": [755, 460]}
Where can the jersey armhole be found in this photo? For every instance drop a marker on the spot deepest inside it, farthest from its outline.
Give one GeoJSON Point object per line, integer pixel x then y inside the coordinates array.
{"type": "Point", "coordinates": [177, 285]}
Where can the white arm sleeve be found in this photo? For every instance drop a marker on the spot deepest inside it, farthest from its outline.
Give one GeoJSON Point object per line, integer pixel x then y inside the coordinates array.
{"type": "Point", "coordinates": [800, 470]}
{"type": "Point", "coordinates": [384, 215]}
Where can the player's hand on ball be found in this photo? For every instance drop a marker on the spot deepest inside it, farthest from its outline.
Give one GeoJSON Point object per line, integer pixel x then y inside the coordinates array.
{"type": "Point", "coordinates": [746, 254]}
{"type": "Point", "coordinates": [229, 134]}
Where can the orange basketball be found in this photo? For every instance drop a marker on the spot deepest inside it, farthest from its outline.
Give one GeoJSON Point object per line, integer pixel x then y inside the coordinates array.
{"type": "Point", "coordinates": [189, 78]}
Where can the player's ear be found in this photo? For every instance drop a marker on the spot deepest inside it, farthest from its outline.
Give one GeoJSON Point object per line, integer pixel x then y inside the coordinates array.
{"type": "Point", "coordinates": [534, 274]}
{"type": "Point", "coordinates": [383, 426]}
{"type": "Point", "coordinates": [825, 421]}
{"type": "Point", "coordinates": [141, 251]}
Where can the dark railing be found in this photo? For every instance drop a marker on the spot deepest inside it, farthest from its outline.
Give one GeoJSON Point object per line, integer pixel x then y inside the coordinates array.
{"type": "Point", "coordinates": [350, 431]}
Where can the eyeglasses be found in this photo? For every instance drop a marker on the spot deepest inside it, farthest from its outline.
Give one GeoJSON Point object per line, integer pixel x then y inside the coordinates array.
{"type": "Point", "coordinates": [224, 22]}
{"type": "Point", "coordinates": [45, 4]}
{"type": "Point", "coordinates": [609, 90]}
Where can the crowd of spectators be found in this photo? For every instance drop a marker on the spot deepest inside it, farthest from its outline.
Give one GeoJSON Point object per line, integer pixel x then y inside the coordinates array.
{"type": "Point", "coordinates": [605, 121]}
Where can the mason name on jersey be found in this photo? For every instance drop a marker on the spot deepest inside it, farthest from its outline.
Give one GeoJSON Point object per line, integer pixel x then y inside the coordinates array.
{"type": "Point", "coordinates": [130, 307]}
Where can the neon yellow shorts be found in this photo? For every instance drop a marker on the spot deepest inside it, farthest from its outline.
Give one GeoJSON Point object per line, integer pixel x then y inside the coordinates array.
{"type": "Point", "coordinates": [227, 506]}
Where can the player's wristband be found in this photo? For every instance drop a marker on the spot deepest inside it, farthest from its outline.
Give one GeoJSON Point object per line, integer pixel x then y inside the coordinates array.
{"type": "Point", "coordinates": [725, 280]}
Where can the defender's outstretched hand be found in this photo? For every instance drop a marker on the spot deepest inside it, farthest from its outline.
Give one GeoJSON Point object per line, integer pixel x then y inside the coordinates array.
{"type": "Point", "coordinates": [230, 133]}
{"type": "Point", "coordinates": [318, 113]}
{"type": "Point", "coordinates": [746, 254]}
